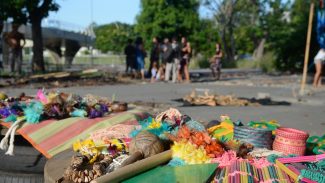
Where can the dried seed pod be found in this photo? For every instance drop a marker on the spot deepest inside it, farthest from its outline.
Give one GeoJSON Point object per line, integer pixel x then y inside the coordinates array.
{"type": "Point", "coordinates": [68, 172]}
{"type": "Point", "coordinates": [87, 157]}
{"type": "Point", "coordinates": [79, 180]}
{"type": "Point", "coordinates": [105, 163]}
{"type": "Point", "coordinates": [146, 143]}
{"type": "Point", "coordinates": [82, 175]}
{"type": "Point", "coordinates": [86, 172]}
{"type": "Point", "coordinates": [107, 156]}
{"type": "Point", "coordinates": [77, 161]}
{"type": "Point", "coordinates": [74, 176]}
{"type": "Point", "coordinates": [99, 168]}
{"type": "Point", "coordinates": [86, 179]}
{"type": "Point", "coordinates": [101, 156]}
{"type": "Point", "coordinates": [91, 174]}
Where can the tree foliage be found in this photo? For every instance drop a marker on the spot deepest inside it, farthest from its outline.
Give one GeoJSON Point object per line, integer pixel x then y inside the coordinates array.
{"type": "Point", "coordinates": [205, 38]}
{"type": "Point", "coordinates": [30, 11]}
{"type": "Point", "coordinates": [289, 38]}
{"type": "Point", "coordinates": [167, 18]}
{"type": "Point", "coordinates": [277, 25]}
{"type": "Point", "coordinates": [14, 10]}
{"type": "Point", "coordinates": [224, 12]}
{"type": "Point", "coordinates": [113, 36]}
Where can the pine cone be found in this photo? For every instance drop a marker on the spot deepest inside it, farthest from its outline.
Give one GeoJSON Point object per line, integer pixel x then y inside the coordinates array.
{"type": "Point", "coordinates": [48, 110]}
{"type": "Point", "coordinates": [77, 161]}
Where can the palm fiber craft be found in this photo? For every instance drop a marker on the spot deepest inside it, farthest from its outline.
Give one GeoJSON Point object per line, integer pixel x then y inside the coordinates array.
{"type": "Point", "coordinates": [260, 138]}
{"type": "Point", "coordinates": [290, 141]}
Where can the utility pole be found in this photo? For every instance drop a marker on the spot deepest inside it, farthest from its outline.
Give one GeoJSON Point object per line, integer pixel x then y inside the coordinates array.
{"type": "Point", "coordinates": [310, 24]}
{"type": "Point", "coordinates": [91, 27]}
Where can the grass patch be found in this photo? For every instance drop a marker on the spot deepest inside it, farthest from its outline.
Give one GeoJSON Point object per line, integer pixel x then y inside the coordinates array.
{"type": "Point", "coordinates": [266, 63]}
{"type": "Point", "coordinates": [199, 62]}
{"type": "Point", "coordinates": [247, 64]}
{"type": "Point", "coordinates": [114, 59]}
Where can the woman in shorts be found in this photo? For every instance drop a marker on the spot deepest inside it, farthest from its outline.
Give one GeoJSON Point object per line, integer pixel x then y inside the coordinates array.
{"type": "Point", "coordinates": [215, 63]}
{"type": "Point", "coordinates": [185, 54]}
{"type": "Point", "coordinates": [319, 61]}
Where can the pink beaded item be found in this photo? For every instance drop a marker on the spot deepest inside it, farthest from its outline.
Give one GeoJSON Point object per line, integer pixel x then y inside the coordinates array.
{"type": "Point", "coordinates": [290, 141]}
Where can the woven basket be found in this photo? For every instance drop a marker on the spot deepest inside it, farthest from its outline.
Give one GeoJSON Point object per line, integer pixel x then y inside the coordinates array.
{"type": "Point", "coordinates": [290, 141]}
{"type": "Point", "coordinates": [260, 138]}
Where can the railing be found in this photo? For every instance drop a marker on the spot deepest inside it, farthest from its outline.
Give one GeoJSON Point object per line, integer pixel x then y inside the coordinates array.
{"type": "Point", "coordinates": [111, 62]}
{"type": "Point", "coordinates": [58, 24]}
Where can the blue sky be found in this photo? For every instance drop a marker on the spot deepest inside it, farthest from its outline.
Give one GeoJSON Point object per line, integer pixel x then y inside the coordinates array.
{"type": "Point", "coordinates": [78, 12]}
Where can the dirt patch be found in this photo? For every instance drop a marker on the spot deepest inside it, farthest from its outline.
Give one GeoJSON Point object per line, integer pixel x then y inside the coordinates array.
{"type": "Point", "coordinates": [152, 107]}
{"type": "Point", "coordinates": [207, 99]}
{"type": "Point", "coordinates": [63, 80]}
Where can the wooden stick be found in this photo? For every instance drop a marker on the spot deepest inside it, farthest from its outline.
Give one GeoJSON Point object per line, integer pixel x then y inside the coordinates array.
{"type": "Point", "coordinates": [310, 23]}
{"type": "Point", "coordinates": [292, 174]}
{"type": "Point", "coordinates": [135, 168]}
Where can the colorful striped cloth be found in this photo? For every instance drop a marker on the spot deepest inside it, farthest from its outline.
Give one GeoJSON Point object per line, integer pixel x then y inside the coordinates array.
{"type": "Point", "coordinates": [243, 171]}
{"type": "Point", "coordinates": [51, 137]}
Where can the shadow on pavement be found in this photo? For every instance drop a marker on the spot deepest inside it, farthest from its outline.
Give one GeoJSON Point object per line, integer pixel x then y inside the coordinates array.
{"type": "Point", "coordinates": [262, 102]}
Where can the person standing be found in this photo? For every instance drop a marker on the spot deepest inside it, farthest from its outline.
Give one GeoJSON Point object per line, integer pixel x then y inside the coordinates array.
{"type": "Point", "coordinates": [167, 58]}
{"type": "Point", "coordinates": [154, 55]}
{"type": "Point", "coordinates": [319, 59]}
{"type": "Point", "coordinates": [185, 53]}
{"type": "Point", "coordinates": [176, 56]}
{"type": "Point", "coordinates": [155, 75]}
{"type": "Point", "coordinates": [129, 51]}
{"type": "Point", "coordinates": [13, 39]}
{"type": "Point", "coordinates": [1, 47]}
{"type": "Point", "coordinates": [215, 64]}
{"type": "Point", "coordinates": [140, 55]}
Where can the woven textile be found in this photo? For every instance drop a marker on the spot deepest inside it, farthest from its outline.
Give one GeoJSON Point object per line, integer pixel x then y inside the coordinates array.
{"type": "Point", "coordinates": [260, 138]}
{"type": "Point", "coordinates": [51, 137]}
{"type": "Point", "coordinates": [290, 141]}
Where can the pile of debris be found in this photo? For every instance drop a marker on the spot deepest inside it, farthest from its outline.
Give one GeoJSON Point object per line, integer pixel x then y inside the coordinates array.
{"type": "Point", "coordinates": [216, 100]}
{"type": "Point", "coordinates": [89, 77]}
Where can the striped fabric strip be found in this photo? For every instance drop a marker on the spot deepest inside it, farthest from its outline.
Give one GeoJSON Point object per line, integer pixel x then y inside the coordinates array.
{"type": "Point", "coordinates": [87, 131]}
{"type": "Point", "coordinates": [67, 133]}
{"type": "Point", "coordinates": [31, 128]}
{"type": "Point", "coordinates": [49, 130]}
{"type": "Point", "coordinates": [51, 137]}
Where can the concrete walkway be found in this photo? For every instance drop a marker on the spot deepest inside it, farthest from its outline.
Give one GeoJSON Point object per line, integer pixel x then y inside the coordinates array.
{"type": "Point", "coordinates": [306, 113]}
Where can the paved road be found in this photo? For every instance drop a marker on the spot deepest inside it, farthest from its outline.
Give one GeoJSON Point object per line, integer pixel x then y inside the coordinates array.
{"type": "Point", "coordinates": [306, 114]}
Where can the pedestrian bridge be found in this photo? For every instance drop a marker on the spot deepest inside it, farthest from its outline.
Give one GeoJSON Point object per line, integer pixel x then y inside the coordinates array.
{"type": "Point", "coordinates": [60, 38]}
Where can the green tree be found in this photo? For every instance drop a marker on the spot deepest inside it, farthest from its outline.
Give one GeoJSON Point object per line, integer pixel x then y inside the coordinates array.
{"type": "Point", "coordinates": [224, 12]}
{"type": "Point", "coordinates": [249, 32]}
{"type": "Point", "coordinates": [12, 9]}
{"type": "Point", "coordinates": [31, 11]}
{"type": "Point", "coordinates": [167, 18]}
{"type": "Point", "coordinates": [113, 36]}
{"type": "Point", "coordinates": [289, 39]}
{"type": "Point", "coordinates": [205, 38]}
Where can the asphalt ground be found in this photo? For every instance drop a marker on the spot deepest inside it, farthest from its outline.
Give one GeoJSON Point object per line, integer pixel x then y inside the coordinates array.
{"type": "Point", "coordinates": [303, 112]}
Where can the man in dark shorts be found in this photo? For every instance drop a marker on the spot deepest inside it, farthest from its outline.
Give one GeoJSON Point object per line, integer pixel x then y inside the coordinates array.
{"type": "Point", "coordinates": [1, 47]}
{"type": "Point", "coordinates": [13, 39]}
{"type": "Point", "coordinates": [167, 58]}
{"type": "Point", "coordinates": [154, 55]}
{"type": "Point", "coordinates": [129, 51]}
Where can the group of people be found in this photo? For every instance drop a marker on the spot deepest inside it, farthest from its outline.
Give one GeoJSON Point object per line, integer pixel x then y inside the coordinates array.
{"type": "Point", "coordinates": [169, 61]}
{"type": "Point", "coordinates": [16, 41]}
